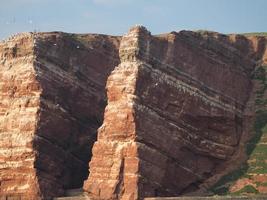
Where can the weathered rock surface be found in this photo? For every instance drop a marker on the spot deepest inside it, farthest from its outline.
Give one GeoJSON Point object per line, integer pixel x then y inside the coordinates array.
{"type": "Point", "coordinates": [52, 102]}
{"type": "Point", "coordinates": [212, 198]}
{"type": "Point", "coordinates": [72, 72]}
{"type": "Point", "coordinates": [175, 115]}
{"type": "Point", "coordinates": [179, 111]}
{"type": "Point", "coordinates": [19, 103]}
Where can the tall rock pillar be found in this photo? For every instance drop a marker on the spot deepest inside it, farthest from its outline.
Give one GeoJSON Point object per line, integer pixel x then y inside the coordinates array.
{"type": "Point", "coordinates": [115, 163]}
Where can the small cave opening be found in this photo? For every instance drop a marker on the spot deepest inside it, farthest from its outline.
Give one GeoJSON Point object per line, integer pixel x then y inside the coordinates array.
{"type": "Point", "coordinates": [81, 149]}
{"type": "Point", "coordinates": [64, 140]}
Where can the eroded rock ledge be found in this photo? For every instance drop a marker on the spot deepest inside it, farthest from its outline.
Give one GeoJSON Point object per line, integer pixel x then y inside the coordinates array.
{"type": "Point", "coordinates": [178, 113]}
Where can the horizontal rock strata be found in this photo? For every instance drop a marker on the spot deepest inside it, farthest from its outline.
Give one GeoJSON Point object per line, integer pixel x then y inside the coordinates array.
{"type": "Point", "coordinates": [174, 112]}
{"type": "Point", "coordinates": [72, 71]}
{"type": "Point", "coordinates": [52, 102]}
{"type": "Point", "coordinates": [20, 100]}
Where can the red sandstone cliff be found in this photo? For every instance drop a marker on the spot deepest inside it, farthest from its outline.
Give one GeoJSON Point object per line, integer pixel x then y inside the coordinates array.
{"type": "Point", "coordinates": [181, 98]}
{"type": "Point", "coordinates": [178, 114]}
{"type": "Point", "coordinates": [52, 102]}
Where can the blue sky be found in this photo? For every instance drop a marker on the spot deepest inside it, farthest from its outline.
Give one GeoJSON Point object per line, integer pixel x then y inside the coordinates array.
{"type": "Point", "coordinates": [116, 16]}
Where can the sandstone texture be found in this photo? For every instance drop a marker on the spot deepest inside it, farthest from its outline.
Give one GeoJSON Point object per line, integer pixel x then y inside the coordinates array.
{"type": "Point", "coordinates": [143, 115]}
{"type": "Point", "coordinates": [19, 94]}
{"type": "Point", "coordinates": [182, 99]}
{"type": "Point", "coordinates": [52, 102]}
{"type": "Point", "coordinates": [211, 198]}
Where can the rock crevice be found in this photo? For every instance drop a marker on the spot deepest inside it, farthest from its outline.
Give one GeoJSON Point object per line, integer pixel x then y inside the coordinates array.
{"type": "Point", "coordinates": [153, 115]}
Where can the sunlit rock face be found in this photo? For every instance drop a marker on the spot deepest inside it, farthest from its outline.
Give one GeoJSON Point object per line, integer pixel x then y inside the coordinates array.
{"type": "Point", "coordinates": [143, 115]}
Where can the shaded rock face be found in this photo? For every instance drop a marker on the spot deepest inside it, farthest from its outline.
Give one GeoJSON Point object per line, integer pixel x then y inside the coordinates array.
{"type": "Point", "coordinates": [72, 71]}
{"type": "Point", "coordinates": [174, 112]}
{"type": "Point", "coordinates": [52, 102]}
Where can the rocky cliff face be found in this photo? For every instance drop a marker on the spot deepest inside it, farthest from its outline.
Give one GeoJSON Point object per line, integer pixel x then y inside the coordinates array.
{"type": "Point", "coordinates": [19, 94]}
{"type": "Point", "coordinates": [52, 102]}
{"type": "Point", "coordinates": [182, 98]}
{"type": "Point", "coordinates": [72, 72]}
{"type": "Point", "coordinates": [179, 110]}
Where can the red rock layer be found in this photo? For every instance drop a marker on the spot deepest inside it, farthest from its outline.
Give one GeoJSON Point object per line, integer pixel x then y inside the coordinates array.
{"type": "Point", "coordinates": [175, 114]}
{"type": "Point", "coordinates": [72, 71]}
{"type": "Point", "coordinates": [19, 106]}
{"type": "Point", "coordinates": [52, 102]}
{"type": "Point", "coordinates": [114, 167]}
